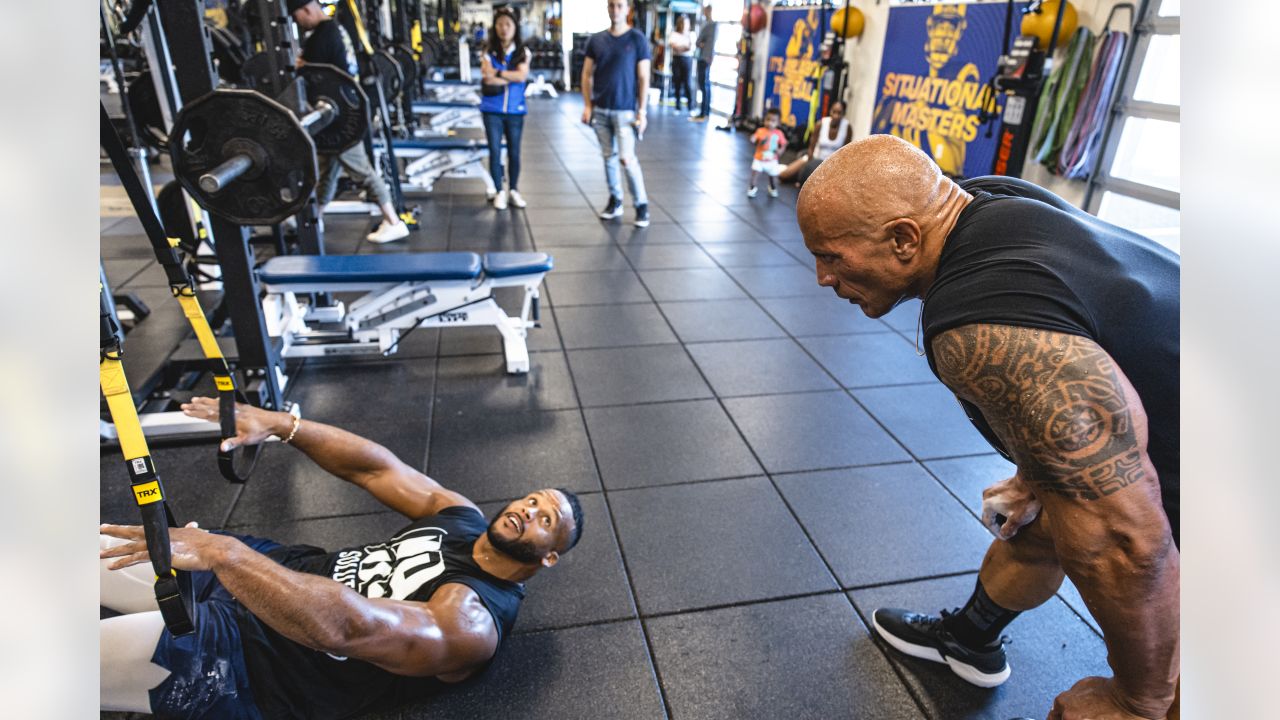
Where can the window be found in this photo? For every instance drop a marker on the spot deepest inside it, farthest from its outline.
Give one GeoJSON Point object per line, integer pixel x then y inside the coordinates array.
{"type": "Point", "coordinates": [1138, 183]}
{"type": "Point", "coordinates": [724, 70]}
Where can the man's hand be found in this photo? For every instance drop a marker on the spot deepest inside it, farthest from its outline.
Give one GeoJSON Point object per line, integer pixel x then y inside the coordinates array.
{"type": "Point", "coordinates": [253, 424]}
{"type": "Point", "coordinates": [642, 122]}
{"type": "Point", "coordinates": [1013, 499]}
{"type": "Point", "coordinates": [1093, 698]}
{"type": "Point", "coordinates": [586, 116]}
{"type": "Point", "coordinates": [193, 548]}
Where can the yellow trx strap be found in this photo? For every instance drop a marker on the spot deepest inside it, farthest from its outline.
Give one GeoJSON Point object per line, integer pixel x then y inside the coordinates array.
{"type": "Point", "coordinates": [415, 39]}
{"type": "Point", "coordinates": [362, 34]}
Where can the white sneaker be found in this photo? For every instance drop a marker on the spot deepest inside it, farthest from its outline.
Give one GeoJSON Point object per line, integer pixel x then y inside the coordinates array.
{"type": "Point", "coordinates": [773, 192]}
{"type": "Point", "coordinates": [516, 199]}
{"type": "Point", "coordinates": [500, 201]}
{"type": "Point", "coordinates": [388, 233]}
{"type": "Point", "coordinates": [488, 195]}
{"type": "Point", "coordinates": [752, 192]}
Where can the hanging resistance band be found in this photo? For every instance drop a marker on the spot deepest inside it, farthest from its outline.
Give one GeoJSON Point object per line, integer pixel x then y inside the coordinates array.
{"type": "Point", "coordinates": [1082, 140]}
{"type": "Point", "coordinates": [183, 289]}
{"type": "Point", "coordinates": [172, 588]}
{"type": "Point", "coordinates": [1061, 99]}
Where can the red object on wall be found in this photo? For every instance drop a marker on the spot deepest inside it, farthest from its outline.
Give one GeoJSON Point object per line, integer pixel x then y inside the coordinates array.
{"type": "Point", "coordinates": [754, 19]}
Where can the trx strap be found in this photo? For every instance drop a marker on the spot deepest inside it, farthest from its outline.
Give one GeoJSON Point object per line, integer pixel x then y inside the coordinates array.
{"type": "Point", "coordinates": [183, 289]}
{"type": "Point", "coordinates": [172, 588]}
{"type": "Point", "coordinates": [362, 35]}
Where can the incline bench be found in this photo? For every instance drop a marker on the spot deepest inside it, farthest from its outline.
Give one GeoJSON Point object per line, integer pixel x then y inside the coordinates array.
{"type": "Point", "coordinates": [401, 291]}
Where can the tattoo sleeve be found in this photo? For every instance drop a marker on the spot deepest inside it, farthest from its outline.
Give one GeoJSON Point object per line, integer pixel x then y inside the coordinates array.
{"type": "Point", "coordinates": [1057, 400]}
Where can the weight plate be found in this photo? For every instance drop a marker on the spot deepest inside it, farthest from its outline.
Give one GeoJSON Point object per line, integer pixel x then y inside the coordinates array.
{"type": "Point", "coordinates": [390, 74]}
{"type": "Point", "coordinates": [408, 64]}
{"type": "Point", "coordinates": [328, 83]}
{"type": "Point", "coordinates": [210, 130]}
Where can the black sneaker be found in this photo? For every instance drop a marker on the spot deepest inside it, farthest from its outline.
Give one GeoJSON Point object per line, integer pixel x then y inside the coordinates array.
{"type": "Point", "coordinates": [642, 215]}
{"type": "Point", "coordinates": [612, 210]}
{"type": "Point", "coordinates": [926, 637]}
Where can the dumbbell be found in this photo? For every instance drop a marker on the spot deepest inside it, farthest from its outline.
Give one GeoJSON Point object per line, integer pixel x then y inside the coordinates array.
{"type": "Point", "coordinates": [249, 159]}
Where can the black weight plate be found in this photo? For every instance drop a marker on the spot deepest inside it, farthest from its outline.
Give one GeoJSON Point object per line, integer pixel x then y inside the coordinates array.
{"type": "Point", "coordinates": [408, 64]}
{"type": "Point", "coordinates": [213, 128]}
{"type": "Point", "coordinates": [255, 73]}
{"type": "Point", "coordinates": [390, 74]}
{"type": "Point", "coordinates": [328, 83]}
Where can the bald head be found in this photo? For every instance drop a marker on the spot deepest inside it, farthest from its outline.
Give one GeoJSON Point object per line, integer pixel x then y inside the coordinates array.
{"type": "Point", "coordinates": [868, 183]}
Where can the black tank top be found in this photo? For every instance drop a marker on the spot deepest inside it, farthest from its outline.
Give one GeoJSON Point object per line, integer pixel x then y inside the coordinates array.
{"type": "Point", "coordinates": [1020, 255]}
{"type": "Point", "coordinates": [293, 681]}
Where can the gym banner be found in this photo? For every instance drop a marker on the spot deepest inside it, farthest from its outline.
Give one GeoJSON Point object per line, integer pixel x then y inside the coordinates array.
{"type": "Point", "coordinates": [937, 62]}
{"type": "Point", "coordinates": [794, 71]}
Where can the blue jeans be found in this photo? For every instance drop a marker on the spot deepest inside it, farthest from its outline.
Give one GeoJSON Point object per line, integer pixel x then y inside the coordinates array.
{"type": "Point", "coordinates": [682, 80]}
{"type": "Point", "coordinates": [495, 126]}
{"type": "Point", "coordinates": [617, 138]}
{"type": "Point", "coordinates": [704, 84]}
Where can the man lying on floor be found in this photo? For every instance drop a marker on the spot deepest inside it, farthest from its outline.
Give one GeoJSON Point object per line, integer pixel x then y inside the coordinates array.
{"type": "Point", "coordinates": [299, 632]}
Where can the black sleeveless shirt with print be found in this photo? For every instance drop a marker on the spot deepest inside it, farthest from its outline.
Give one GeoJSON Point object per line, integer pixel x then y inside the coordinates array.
{"type": "Point", "coordinates": [293, 681]}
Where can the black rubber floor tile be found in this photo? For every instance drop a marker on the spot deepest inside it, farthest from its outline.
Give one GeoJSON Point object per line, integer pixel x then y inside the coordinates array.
{"type": "Point", "coordinates": [885, 523]}
{"type": "Point", "coordinates": [612, 326]}
{"type": "Point", "coordinates": [330, 533]}
{"type": "Point", "coordinates": [727, 231]}
{"type": "Point", "coordinates": [781, 281]}
{"type": "Point", "coordinates": [587, 585]}
{"type": "Point", "coordinates": [664, 443]}
{"type": "Point", "coordinates": [487, 340]}
{"type": "Point", "coordinates": [349, 395]}
{"type": "Point", "coordinates": [704, 284]}
{"type": "Point", "coordinates": [664, 234]}
{"type": "Point", "coordinates": [576, 674]}
{"type": "Point", "coordinates": [668, 257]}
{"type": "Point", "coordinates": [588, 259]}
{"type": "Point", "coordinates": [624, 376]}
{"type": "Point", "coordinates": [812, 431]}
{"type": "Point", "coordinates": [707, 211]}
{"type": "Point", "coordinates": [713, 320]}
{"type": "Point", "coordinates": [870, 359]}
{"type": "Point", "coordinates": [967, 477]}
{"type": "Point", "coordinates": [480, 383]}
{"type": "Point", "coordinates": [544, 216]}
{"type": "Point", "coordinates": [673, 201]}
{"type": "Point", "coordinates": [757, 254]}
{"type": "Point", "coordinates": [121, 270]}
{"type": "Point", "coordinates": [553, 200]}
{"type": "Point", "coordinates": [1051, 650]}
{"type": "Point", "coordinates": [757, 367]}
{"type": "Point", "coordinates": [820, 315]}
{"type": "Point", "coordinates": [800, 658]}
{"type": "Point", "coordinates": [704, 544]}
{"type": "Point", "coordinates": [503, 455]}
{"type": "Point", "coordinates": [193, 488]}
{"type": "Point", "coordinates": [595, 288]}
{"type": "Point", "coordinates": [587, 234]}
{"type": "Point", "coordinates": [925, 418]}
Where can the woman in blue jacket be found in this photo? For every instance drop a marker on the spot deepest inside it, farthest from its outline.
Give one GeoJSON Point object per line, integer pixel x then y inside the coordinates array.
{"type": "Point", "coordinates": [503, 69]}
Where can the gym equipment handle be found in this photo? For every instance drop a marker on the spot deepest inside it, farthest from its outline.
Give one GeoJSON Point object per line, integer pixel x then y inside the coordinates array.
{"type": "Point", "coordinates": [319, 119]}
{"type": "Point", "coordinates": [219, 177]}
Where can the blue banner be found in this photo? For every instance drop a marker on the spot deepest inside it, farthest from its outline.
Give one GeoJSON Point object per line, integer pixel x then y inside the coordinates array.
{"type": "Point", "coordinates": [932, 87]}
{"type": "Point", "coordinates": [795, 68]}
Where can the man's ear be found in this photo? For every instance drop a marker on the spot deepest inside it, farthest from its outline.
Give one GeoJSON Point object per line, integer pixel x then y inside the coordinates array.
{"type": "Point", "coordinates": [906, 238]}
{"type": "Point", "coordinates": [551, 559]}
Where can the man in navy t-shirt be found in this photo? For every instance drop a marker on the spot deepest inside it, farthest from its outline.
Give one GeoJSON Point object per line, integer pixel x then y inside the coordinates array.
{"type": "Point", "coordinates": [615, 88]}
{"type": "Point", "coordinates": [1058, 333]}
{"type": "Point", "coordinates": [295, 631]}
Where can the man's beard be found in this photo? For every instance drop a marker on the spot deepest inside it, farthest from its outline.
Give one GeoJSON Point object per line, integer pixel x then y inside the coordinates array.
{"type": "Point", "coordinates": [520, 550]}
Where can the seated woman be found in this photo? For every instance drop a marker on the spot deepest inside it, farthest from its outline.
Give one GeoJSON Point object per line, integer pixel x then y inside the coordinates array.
{"type": "Point", "coordinates": [830, 135]}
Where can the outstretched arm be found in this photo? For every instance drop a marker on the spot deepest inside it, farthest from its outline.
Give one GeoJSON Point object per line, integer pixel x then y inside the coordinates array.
{"type": "Point", "coordinates": [1078, 433]}
{"type": "Point", "coordinates": [357, 460]}
{"type": "Point", "coordinates": [450, 634]}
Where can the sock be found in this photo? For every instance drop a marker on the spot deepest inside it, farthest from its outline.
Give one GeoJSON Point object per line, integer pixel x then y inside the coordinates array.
{"type": "Point", "coordinates": [980, 622]}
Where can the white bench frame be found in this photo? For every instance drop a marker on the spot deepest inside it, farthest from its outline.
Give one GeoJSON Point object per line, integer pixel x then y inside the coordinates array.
{"type": "Point", "coordinates": [376, 321]}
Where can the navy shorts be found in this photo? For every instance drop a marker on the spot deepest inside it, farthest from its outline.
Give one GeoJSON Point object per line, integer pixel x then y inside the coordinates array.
{"type": "Point", "coordinates": [208, 677]}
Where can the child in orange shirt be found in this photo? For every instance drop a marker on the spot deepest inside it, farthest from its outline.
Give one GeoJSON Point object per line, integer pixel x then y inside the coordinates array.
{"type": "Point", "coordinates": [770, 142]}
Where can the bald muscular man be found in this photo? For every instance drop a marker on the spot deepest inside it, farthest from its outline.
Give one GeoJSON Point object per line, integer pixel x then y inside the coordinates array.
{"type": "Point", "coordinates": [1058, 333]}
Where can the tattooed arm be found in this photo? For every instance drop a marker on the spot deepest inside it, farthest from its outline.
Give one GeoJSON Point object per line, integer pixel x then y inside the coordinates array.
{"type": "Point", "coordinates": [1078, 433]}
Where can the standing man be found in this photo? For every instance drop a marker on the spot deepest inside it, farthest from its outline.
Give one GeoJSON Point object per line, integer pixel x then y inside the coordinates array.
{"type": "Point", "coordinates": [1058, 333]}
{"type": "Point", "coordinates": [706, 53]}
{"type": "Point", "coordinates": [615, 90]}
{"type": "Point", "coordinates": [330, 44]}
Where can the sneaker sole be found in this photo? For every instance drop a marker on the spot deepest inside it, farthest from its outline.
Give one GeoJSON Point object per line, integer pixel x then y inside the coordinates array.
{"type": "Point", "coordinates": [968, 673]}
{"type": "Point", "coordinates": [642, 223]}
{"type": "Point", "coordinates": [614, 216]}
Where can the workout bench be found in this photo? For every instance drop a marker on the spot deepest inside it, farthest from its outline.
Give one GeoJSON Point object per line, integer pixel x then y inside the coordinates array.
{"type": "Point", "coordinates": [401, 292]}
{"type": "Point", "coordinates": [430, 160]}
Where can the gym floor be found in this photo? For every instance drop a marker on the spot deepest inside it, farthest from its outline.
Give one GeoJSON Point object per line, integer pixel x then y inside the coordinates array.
{"type": "Point", "coordinates": [760, 465]}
